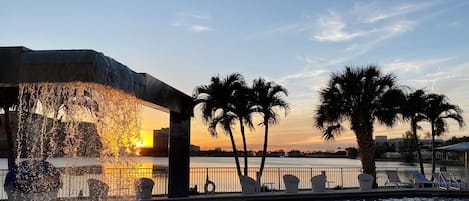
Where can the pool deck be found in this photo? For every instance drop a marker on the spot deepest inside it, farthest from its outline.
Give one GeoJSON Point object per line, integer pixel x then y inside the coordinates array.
{"type": "Point", "coordinates": [328, 195]}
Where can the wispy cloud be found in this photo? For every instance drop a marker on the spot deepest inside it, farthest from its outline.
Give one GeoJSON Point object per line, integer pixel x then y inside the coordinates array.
{"type": "Point", "coordinates": [375, 37]}
{"type": "Point", "coordinates": [192, 22]}
{"type": "Point", "coordinates": [399, 65]}
{"type": "Point", "coordinates": [333, 29]}
{"type": "Point", "coordinates": [189, 16]}
{"type": "Point", "coordinates": [372, 12]}
{"type": "Point", "coordinates": [297, 27]}
{"type": "Point", "coordinates": [199, 28]}
{"type": "Point", "coordinates": [306, 74]}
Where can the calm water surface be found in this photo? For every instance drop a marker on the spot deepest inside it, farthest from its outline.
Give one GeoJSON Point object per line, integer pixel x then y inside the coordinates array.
{"type": "Point", "coordinates": [229, 162]}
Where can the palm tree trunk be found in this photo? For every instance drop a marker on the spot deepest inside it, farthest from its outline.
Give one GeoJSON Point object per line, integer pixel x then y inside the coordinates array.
{"type": "Point", "coordinates": [367, 149]}
{"type": "Point", "coordinates": [264, 149]}
{"type": "Point", "coordinates": [10, 147]}
{"type": "Point", "coordinates": [419, 152]}
{"type": "Point", "coordinates": [244, 147]}
{"type": "Point", "coordinates": [433, 150]}
{"type": "Point", "coordinates": [235, 153]}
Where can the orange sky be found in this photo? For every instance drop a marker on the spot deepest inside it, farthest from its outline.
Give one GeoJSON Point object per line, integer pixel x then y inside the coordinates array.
{"type": "Point", "coordinates": [295, 131]}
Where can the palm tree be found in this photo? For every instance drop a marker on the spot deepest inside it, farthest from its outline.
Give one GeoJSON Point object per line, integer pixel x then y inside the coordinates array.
{"type": "Point", "coordinates": [268, 98]}
{"type": "Point", "coordinates": [243, 109]}
{"type": "Point", "coordinates": [9, 98]}
{"type": "Point", "coordinates": [215, 102]}
{"type": "Point", "coordinates": [361, 96]}
{"type": "Point", "coordinates": [437, 111]}
{"type": "Point", "coordinates": [413, 110]}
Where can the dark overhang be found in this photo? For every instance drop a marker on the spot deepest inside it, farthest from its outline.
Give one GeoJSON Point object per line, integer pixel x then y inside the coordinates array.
{"type": "Point", "coordinates": [22, 65]}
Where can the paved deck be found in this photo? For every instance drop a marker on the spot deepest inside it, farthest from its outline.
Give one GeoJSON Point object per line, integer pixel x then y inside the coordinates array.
{"type": "Point", "coordinates": [328, 195]}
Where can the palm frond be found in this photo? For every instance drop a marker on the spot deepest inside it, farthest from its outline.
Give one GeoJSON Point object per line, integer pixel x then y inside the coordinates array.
{"type": "Point", "coordinates": [331, 131]}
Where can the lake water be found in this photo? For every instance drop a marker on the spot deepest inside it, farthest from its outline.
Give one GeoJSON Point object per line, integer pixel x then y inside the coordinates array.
{"type": "Point", "coordinates": [229, 162]}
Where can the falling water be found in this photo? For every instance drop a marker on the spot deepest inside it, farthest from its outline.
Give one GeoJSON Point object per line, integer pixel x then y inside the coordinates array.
{"type": "Point", "coordinates": [78, 112]}
{"type": "Point", "coordinates": [78, 120]}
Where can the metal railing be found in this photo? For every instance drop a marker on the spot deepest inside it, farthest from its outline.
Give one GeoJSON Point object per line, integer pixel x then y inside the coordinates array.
{"type": "Point", "coordinates": [121, 180]}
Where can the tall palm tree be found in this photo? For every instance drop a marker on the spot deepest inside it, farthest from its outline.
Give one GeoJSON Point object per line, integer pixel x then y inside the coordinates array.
{"type": "Point", "coordinates": [9, 98]}
{"type": "Point", "coordinates": [437, 111]}
{"type": "Point", "coordinates": [215, 102]}
{"type": "Point", "coordinates": [361, 96]}
{"type": "Point", "coordinates": [413, 109]}
{"type": "Point", "coordinates": [268, 98]}
{"type": "Point", "coordinates": [243, 109]}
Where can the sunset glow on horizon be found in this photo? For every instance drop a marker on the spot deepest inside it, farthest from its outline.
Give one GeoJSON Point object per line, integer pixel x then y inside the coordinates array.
{"type": "Point", "coordinates": [297, 44]}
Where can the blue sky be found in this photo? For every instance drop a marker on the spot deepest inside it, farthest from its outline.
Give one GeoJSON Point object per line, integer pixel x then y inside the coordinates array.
{"type": "Point", "coordinates": [295, 43]}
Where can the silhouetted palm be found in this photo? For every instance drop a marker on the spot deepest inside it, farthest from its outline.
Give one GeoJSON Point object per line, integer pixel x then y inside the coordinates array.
{"type": "Point", "coordinates": [413, 110]}
{"type": "Point", "coordinates": [437, 111]}
{"type": "Point", "coordinates": [268, 98]}
{"type": "Point", "coordinates": [243, 108]}
{"type": "Point", "coordinates": [215, 102]}
{"type": "Point", "coordinates": [361, 96]}
{"type": "Point", "coordinates": [9, 98]}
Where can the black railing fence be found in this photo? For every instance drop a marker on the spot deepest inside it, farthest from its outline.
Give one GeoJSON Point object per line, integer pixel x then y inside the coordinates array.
{"type": "Point", "coordinates": [121, 180]}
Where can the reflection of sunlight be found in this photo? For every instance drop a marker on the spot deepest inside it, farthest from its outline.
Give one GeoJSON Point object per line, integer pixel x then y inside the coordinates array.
{"type": "Point", "coordinates": [119, 176]}
{"type": "Point", "coordinates": [146, 138]}
{"type": "Point", "coordinates": [139, 144]}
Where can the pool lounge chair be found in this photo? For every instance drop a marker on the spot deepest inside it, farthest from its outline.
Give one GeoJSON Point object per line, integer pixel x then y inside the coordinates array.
{"type": "Point", "coordinates": [19, 196]}
{"type": "Point", "coordinates": [291, 183]}
{"type": "Point", "coordinates": [446, 182]}
{"type": "Point", "coordinates": [98, 190]}
{"type": "Point", "coordinates": [393, 179]}
{"type": "Point", "coordinates": [249, 185]}
{"type": "Point", "coordinates": [421, 181]}
{"type": "Point", "coordinates": [365, 181]}
{"type": "Point", "coordinates": [144, 188]}
{"type": "Point", "coordinates": [318, 183]}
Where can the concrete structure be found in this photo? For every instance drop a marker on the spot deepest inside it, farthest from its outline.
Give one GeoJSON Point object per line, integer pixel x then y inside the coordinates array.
{"type": "Point", "coordinates": [160, 142]}
{"type": "Point", "coordinates": [22, 65]}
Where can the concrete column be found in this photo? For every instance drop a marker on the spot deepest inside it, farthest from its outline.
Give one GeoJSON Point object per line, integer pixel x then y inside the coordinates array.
{"type": "Point", "coordinates": [179, 148]}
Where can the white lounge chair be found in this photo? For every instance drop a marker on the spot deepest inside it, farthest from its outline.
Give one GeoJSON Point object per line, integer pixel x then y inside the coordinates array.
{"type": "Point", "coordinates": [393, 179]}
{"type": "Point", "coordinates": [98, 190]}
{"type": "Point", "coordinates": [365, 181]}
{"type": "Point", "coordinates": [144, 188]}
{"type": "Point", "coordinates": [249, 185]}
{"type": "Point", "coordinates": [421, 181]}
{"type": "Point", "coordinates": [291, 183]}
{"type": "Point", "coordinates": [318, 183]}
{"type": "Point", "coordinates": [450, 182]}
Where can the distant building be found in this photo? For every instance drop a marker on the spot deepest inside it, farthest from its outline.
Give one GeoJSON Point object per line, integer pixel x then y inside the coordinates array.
{"type": "Point", "coordinates": [425, 145]}
{"type": "Point", "coordinates": [160, 142]}
{"type": "Point", "coordinates": [194, 148]}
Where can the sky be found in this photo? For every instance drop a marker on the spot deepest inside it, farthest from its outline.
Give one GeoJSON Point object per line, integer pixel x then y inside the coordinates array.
{"type": "Point", "coordinates": [297, 44]}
